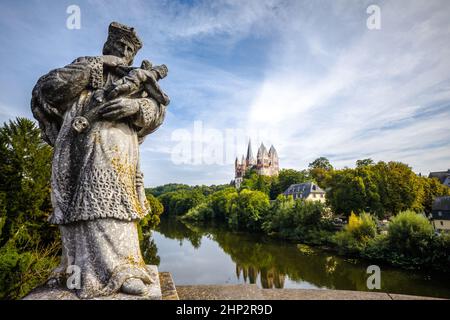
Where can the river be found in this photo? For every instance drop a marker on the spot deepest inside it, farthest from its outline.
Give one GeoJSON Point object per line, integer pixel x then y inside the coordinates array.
{"type": "Point", "coordinates": [212, 255]}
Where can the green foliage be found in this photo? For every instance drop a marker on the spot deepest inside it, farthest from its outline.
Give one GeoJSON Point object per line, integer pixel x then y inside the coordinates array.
{"type": "Point", "coordinates": [22, 271]}
{"type": "Point", "coordinates": [203, 212]}
{"type": "Point", "coordinates": [27, 242]}
{"type": "Point", "coordinates": [25, 169]}
{"type": "Point", "coordinates": [248, 209]}
{"type": "Point", "coordinates": [427, 190]}
{"type": "Point", "coordinates": [410, 243]}
{"type": "Point", "coordinates": [178, 203]}
{"type": "Point", "coordinates": [171, 187]}
{"type": "Point", "coordinates": [239, 210]}
{"type": "Point", "coordinates": [321, 163]}
{"type": "Point", "coordinates": [320, 170]}
{"type": "Point", "coordinates": [216, 207]}
{"type": "Point", "coordinates": [254, 181]}
{"type": "Point", "coordinates": [410, 234]}
{"type": "Point", "coordinates": [356, 234]}
{"type": "Point", "coordinates": [151, 220]}
{"type": "Point", "coordinates": [364, 162]}
{"type": "Point", "coordinates": [439, 252]}
{"type": "Point", "coordinates": [221, 203]}
{"type": "Point", "coordinates": [298, 220]}
{"type": "Point", "coordinates": [384, 189]}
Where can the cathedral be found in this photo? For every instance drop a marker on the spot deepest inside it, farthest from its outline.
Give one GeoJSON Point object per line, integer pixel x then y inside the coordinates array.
{"type": "Point", "coordinates": [266, 163]}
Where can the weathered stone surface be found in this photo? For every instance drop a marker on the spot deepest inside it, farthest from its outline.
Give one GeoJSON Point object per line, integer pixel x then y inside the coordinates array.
{"type": "Point", "coordinates": [95, 112]}
{"type": "Point", "coordinates": [154, 291]}
{"type": "Point", "coordinates": [168, 289]}
{"type": "Point", "coordinates": [252, 292]}
{"type": "Point", "coordinates": [220, 292]}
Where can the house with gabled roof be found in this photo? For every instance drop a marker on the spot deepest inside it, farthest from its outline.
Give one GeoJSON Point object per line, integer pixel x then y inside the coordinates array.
{"type": "Point", "coordinates": [440, 214]}
{"type": "Point", "coordinates": [442, 176]}
{"type": "Point", "coordinates": [306, 191]}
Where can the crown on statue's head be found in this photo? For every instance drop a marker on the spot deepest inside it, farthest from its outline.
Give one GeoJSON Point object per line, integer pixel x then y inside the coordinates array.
{"type": "Point", "coordinates": [118, 31]}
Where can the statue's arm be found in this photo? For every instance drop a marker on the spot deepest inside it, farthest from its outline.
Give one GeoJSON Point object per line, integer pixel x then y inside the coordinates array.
{"type": "Point", "coordinates": [149, 117]}
{"type": "Point", "coordinates": [63, 85]}
{"type": "Point", "coordinates": [56, 91]}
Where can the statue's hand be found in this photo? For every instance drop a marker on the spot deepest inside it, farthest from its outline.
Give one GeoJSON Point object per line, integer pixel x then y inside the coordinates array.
{"type": "Point", "coordinates": [119, 108]}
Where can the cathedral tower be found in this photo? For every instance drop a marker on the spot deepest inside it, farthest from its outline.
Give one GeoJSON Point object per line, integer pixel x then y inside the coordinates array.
{"type": "Point", "coordinates": [266, 163]}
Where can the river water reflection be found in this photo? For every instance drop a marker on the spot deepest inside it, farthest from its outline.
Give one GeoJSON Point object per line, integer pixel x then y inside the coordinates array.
{"type": "Point", "coordinates": [209, 255]}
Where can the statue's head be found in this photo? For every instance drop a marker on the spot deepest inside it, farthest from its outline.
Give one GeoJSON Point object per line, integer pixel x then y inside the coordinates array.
{"type": "Point", "coordinates": [161, 71]}
{"type": "Point", "coordinates": [122, 42]}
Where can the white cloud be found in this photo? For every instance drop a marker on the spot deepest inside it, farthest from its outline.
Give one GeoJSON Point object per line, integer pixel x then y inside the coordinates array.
{"type": "Point", "coordinates": [377, 85]}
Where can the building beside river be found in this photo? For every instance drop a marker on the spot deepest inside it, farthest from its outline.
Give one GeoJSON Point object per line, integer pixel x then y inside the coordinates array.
{"type": "Point", "coordinates": [442, 176]}
{"type": "Point", "coordinates": [440, 214]}
{"type": "Point", "coordinates": [306, 191]}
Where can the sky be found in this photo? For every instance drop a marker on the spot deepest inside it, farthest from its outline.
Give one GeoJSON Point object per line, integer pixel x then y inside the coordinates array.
{"type": "Point", "coordinates": [307, 76]}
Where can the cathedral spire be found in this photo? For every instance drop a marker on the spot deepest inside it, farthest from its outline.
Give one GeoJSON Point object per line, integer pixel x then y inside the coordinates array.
{"type": "Point", "coordinates": [273, 152]}
{"type": "Point", "coordinates": [250, 160]}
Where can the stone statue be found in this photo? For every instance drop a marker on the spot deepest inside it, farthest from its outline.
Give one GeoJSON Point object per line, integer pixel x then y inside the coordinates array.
{"type": "Point", "coordinates": [95, 112]}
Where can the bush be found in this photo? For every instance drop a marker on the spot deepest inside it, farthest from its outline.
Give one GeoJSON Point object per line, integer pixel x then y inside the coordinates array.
{"type": "Point", "coordinates": [20, 272]}
{"type": "Point", "coordinates": [179, 202]}
{"type": "Point", "coordinates": [298, 220]}
{"type": "Point", "coordinates": [440, 252]}
{"type": "Point", "coordinates": [151, 220]}
{"type": "Point", "coordinates": [248, 210]}
{"type": "Point", "coordinates": [356, 234]}
{"type": "Point", "coordinates": [410, 243]}
{"type": "Point", "coordinates": [244, 210]}
{"type": "Point", "coordinates": [410, 233]}
{"type": "Point", "coordinates": [202, 212]}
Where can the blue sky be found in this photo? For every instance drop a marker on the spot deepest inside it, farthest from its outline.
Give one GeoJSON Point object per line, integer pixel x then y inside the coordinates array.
{"type": "Point", "coordinates": [306, 76]}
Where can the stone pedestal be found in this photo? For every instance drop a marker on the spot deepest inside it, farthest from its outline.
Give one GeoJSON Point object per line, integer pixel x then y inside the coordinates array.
{"type": "Point", "coordinates": [46, 293]}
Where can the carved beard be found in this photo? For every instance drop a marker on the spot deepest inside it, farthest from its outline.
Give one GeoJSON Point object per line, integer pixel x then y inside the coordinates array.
{"type": "Point", "coordinates": [112, 47]}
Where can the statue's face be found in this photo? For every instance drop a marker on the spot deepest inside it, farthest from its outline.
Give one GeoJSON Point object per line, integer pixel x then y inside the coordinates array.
{"type": "Point", "coordinates": [121, 49]}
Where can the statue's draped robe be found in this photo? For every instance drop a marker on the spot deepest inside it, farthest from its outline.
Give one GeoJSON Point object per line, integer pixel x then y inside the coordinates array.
{"type": "Point", "coordinates": [94, 195]}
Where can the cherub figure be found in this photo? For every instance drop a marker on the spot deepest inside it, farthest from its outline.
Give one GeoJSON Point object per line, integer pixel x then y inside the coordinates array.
{"type": "Point", "coordinates": [141, 82]}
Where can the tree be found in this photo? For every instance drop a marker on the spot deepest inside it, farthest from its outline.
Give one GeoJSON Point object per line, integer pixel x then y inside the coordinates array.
{"type": "Point", "coordinates": [25, 170]}
{"type": "Point", "coordinates": [347, 192]}
{"type": "Point", "coordinates": [248, 210]}
{"type": "Point", "coordinates": [383, 189]}
{"type": "Point", "coordinates": [357, 233]}
{"type": "Point", "coordinates": [28, 251]}
{"type": "Point", "coordinates": [397, 186]}
{"type": "Point", "coordinates": [179, 202]}
{"type": "Point", "coordinates": [364, 162]}
{"type": "Point", "coordinates": [320, 170]}
{"type": "Point", "coordinates": [151, 220]}
{"type": "Point", "coordinates": [428, 190]}
{"type": "Point", "coordinates": [287, 177]}
{"type": "Point", "coordinates": [321, 163]}
{"type": "Point", "coordinates": [255, 181]}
